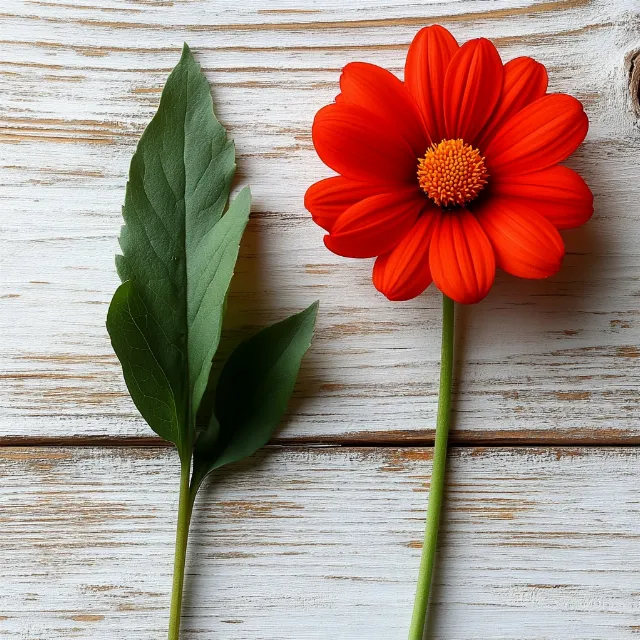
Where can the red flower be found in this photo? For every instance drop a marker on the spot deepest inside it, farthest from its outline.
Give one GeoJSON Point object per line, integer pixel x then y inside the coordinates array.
{"type": "Point", "coordinates": [450, 173]}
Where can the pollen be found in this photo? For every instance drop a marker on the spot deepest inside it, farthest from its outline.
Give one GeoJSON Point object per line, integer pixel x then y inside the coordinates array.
{"type": "Point", "coordinates": [452, 173]}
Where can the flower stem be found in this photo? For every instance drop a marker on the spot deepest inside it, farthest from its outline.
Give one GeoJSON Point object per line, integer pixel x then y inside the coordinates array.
{"type": "Point", "coordinates": [436, 491]}
{"type": "Point", "coordinates": [185, 508]}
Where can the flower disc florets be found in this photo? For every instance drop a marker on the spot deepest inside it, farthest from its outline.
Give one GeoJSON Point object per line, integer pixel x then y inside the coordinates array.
{"type": "Point", "coordinates": [452, 173]}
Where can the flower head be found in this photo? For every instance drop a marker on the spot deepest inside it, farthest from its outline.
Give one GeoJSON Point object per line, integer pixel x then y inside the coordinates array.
{"type": "Point", "coordinates": [450, 173]}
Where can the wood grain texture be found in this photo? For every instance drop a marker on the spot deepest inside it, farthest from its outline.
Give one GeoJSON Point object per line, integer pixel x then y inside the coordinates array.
{"type": "Point", "coordinates": [556, 359]}
{"type": "Point", "coordinates": [319, 543]}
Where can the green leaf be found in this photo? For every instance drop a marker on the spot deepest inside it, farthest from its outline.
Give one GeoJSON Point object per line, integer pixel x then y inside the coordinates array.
{"type": "Point", "coordinates": [139, 343]}
{"type": "Point", "coordinates": [252, 393]}
{"type": "Point", "coordinates": [208, 292]}
{"type": "Point", "coordinates": [178, 248]}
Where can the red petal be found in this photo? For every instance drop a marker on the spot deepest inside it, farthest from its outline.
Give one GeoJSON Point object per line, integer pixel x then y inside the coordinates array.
{"type": "Point", "coordinates": [380, 92]}
{"type": "Point", "coordinates": [525, 80]}
{"type": "Point", "coordinates": [526, 244]}
{"type": "Point", "coordinates": [328, 199]}
{"type": "Point", "coordinates": [542, 134]}
{"type": "Point", "coordinates": [472, 88]}
{"type": "Point", "coordinates": [404, 273]}
{"type": "Point", "coordinates": [374, 226]}
{"type": "Point", "coordinates": [559, 194]}
{"type": "Point", "coordinates": [424, 72]}
{"type": "Point", "coordinates": [362, 146]}
{"type": "Point", "coordinates": [461, 258]}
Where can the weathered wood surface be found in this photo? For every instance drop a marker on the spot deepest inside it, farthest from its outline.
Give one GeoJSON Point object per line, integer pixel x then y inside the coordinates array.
{"type": "Point", "coordinates": [557, 360]}
{"type": "Point", "coordinates": [312, 543]}
{"type": "Point", "coordinates": [321, 543]}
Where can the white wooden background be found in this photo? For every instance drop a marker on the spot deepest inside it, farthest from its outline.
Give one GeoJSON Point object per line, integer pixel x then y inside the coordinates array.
{"type": "Point", "coordinates": [541, 540]}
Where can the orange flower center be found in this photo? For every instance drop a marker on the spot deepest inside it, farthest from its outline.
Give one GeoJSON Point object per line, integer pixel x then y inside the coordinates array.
{"type": "Point", "coordinates": [452, 173]}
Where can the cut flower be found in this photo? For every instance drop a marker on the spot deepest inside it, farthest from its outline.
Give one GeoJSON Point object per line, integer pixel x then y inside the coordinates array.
{"type": "Point", "coordinates": [451, 173]}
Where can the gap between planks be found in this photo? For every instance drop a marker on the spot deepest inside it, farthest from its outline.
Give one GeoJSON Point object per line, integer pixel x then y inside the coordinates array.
{"type": "Point", "coordinates": [470, 439]}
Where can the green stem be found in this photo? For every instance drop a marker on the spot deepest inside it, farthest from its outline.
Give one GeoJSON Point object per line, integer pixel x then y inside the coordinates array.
{"type": "Point", "coordinates": [185, 508]}
{"type": "Point", "coordinates": [436, 490]}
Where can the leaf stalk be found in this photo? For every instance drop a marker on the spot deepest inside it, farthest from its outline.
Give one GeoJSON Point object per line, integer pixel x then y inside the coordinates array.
{"type": "Point", "coordinates": [185, 509]}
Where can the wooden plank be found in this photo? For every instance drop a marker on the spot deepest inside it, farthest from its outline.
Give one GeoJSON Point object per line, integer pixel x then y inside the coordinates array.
{"type": "Point", "coordinates": [321, 543]}
{"type": "Point", "coordinates": [556, 359]}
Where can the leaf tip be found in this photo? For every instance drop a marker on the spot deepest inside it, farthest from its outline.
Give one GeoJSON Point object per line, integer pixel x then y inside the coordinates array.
{"type": "Point", "coordinates": [312, 309]}
{"type": "Point", "coordinates": [242, 202]}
